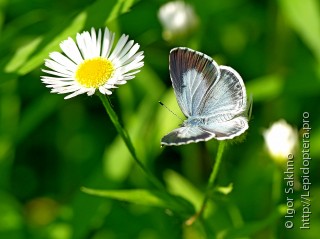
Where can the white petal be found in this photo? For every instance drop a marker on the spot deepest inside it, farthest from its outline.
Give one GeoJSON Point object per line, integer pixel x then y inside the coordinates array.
{"type": "Point", "coordinates": [93, 35]}
{"type": "Point", "coordinates": [59, 83]}
{"type": "Point", "coordinates": [119, 46]}
{"type": "Point", "coordinates": [66, 89]}
{"type": "Point", "coordinates": [134, 65]}
{"type": "Point", "coordinates": [135, 58]}
{"type": "Point", "coordinates": [93, 44]}
{"type": "Point", "coordinates": [85, 44]}
{"type": "Point", "coordinates": [130, 54]}
{"type": "Point", "coordinates": [128, 78]}
{"type": "Point", "coordinates": [131, 73]}
{"type": "Point", "coordinates": [66, 62]}
{"type": "Point", "coordinates": [91, 91]}
{"type": "Point", "coordinates": [57, 78]}
{"type": "Point", "coordinates": [125, 49]}
{"type": "Point", "coordinates": [122, 82]}
{"type": "Point", "coordinates": [98, 45]}
{"type": "Point", "coordinates": [55, 73]}
{"type": "Point", "coordinates": [105, 91]}
{"type": "Point", "coordinates": [79, 92]}
{"type": "Point", "coordinates": [90, 42]}
{"type": "Point", "coordinates": [81, 45]}
{"type": "Point", "coordinates": [70, 48]}
{"type": "Point", "coordinates": [108, 39]}
{"type": "Point", "coordinates": [57, 67]}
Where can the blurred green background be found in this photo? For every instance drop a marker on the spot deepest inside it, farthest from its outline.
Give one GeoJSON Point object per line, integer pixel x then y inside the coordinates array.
{"type": "Point", "coordinates": [51, 147]}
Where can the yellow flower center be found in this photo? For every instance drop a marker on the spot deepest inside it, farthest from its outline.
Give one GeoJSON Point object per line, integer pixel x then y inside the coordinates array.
{"type": "Point", "coordinates": [94, 72]}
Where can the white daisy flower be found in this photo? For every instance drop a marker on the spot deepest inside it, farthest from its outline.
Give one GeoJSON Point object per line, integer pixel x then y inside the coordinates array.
{"type": "Point", "coordinates": [281, 140]}
{"type": "Point", "coordinates": [90, 64]}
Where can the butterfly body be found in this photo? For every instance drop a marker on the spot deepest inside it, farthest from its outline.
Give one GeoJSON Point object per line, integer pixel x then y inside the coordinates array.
{"type": "Point", "coordinates": [193, 122]}
{"type": "Point", "coordinates": [212, 97]}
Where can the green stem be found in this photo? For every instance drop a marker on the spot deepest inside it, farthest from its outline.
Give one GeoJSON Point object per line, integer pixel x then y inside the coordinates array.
{"type": "Point", "coordinates": [213, 174]}
{"type": "Point", "coordinates": [216, 167]}
{"type": "Point", "coordinates": [211, 182]}
{"type": "Point", "coordinates": [125, 136]}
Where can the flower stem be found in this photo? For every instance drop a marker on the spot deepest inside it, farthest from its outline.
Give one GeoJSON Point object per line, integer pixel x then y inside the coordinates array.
{"type": "Point", "coordinates": [211, 182]}
{"type": "Point", "coordinates": [125, 136]}
{"type": "Point", "coordinates": [215, 170]}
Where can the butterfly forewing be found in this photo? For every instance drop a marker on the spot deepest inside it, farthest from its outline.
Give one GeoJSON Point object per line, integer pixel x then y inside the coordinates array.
{"type": "Point", "coordinates": [192, 73]}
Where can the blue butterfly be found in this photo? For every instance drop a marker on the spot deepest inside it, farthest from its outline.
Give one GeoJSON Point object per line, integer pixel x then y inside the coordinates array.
{"type": "Point", "coordinates": [212, 97]}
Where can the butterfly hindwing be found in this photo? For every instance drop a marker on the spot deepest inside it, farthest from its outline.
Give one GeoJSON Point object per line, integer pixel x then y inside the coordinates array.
{"type": "Point", "coordinates": [226, 96]}
{"type": "Point", "coordinates": [185, 135]}
{"type": "Point", "coordinates": [226, 129]}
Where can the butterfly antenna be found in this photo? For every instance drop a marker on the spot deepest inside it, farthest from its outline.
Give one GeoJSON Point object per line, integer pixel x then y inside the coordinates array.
{"type": "Point", "coordinates": [170, 110]}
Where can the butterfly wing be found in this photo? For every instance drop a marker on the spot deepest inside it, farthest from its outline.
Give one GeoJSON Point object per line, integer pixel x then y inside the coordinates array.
{"type": "Point", "coordinates": [219, 130]}
{"type": "Point", "coordinates": [192, 73]}
{"type": "Point", "coordinates": [186, 135]}
{"type": "Point", "coordinates": [224, 106]}
{"type": "Point", "coordinates": [226, 129]}
{"type": "Point", "coordinates": [227, 96]}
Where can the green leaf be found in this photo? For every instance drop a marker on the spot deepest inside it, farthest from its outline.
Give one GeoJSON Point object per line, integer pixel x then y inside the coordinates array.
{"type": "Point", "coordinates": [178, 185]}
{"type": "Point", "coordinates": [122, 6]}
{"type": "Point", "coordinates": [147, 198]}
{"type": "Point", "coordinates": [37, 59]}
{"type": "Point", "coordinates": [21, 55]}
{"type": "Point", "coordinates": [251, 228]}
{"type": "Point", "coordinates": [304, 18]}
